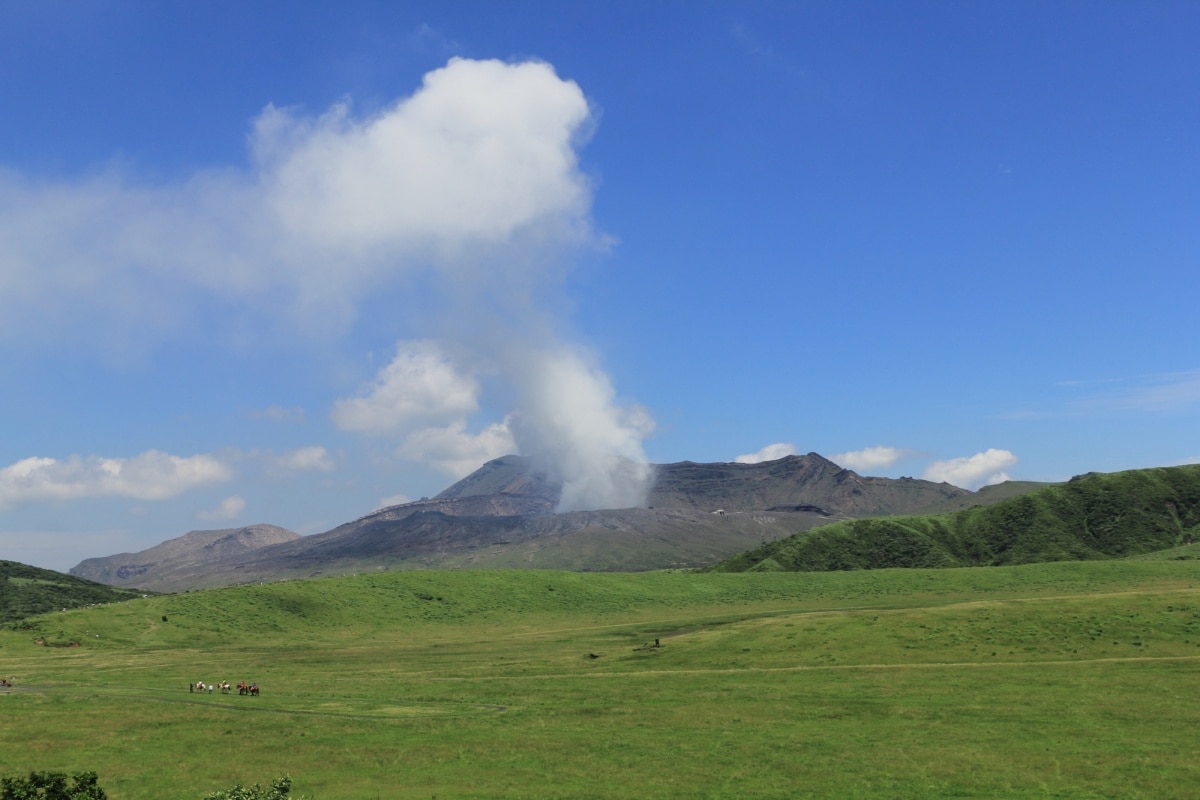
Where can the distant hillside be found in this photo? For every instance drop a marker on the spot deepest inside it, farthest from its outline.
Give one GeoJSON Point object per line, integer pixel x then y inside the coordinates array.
{"type": "Point", "coordinates": [502, 516]}
{"type": "Point", "coordinates": [1092, 516]}
{"type": "Point", "coordinates": [149, 568]}
{"type": "Point", "coordinates": [26, 591]}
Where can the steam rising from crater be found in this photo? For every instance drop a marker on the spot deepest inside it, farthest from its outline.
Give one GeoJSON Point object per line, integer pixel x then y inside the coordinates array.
{"type": "Point", "coordinates": [569, 421]}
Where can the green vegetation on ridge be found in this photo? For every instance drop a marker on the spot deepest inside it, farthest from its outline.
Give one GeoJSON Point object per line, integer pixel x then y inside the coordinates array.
{"type": "Point", "coordinates": [1094, 516]}
{"type": "Point", "coordinates": [26, 590]}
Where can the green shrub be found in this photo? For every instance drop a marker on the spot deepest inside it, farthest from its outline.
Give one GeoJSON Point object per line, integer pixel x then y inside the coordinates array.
{"type": "Point", "coordinates": [277, 791]}
{"type": "Point", "coordinates": [52, 786]}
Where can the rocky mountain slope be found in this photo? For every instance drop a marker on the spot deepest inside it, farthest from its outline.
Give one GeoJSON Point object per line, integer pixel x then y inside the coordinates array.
{"type": "Point", "coordinates": [502, 515]}
{"type": "Point", "coordinates": [184, 555]}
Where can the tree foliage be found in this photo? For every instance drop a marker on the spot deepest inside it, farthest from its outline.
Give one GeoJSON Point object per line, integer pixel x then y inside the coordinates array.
{"type": "Point", "coordinates": [278, 790]}
{"type": "Point", "coordinates": [26, 590]}
{"type": "Point", "coordinates": [52, 786]}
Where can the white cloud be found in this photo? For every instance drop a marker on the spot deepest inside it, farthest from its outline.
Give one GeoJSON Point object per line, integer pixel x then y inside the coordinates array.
{"type": "Point", "coordinates": [869, 458]}
{"type": "Point", "coordinates": [971, 472]}
{"type": "Point", "coordinates": [483, 150]}
{"type": "Point", "coordinates": [421, 386]}
{"type": "Point", "coordinates": [149, 476]}
{"type": "Point", "coordinates": [229, 508]}
{"type": "Point", "coordinates": [313, 458]}
{"type": "Point", "coordinates": [455, 451]}
{"type": "Point", "coordinates": [771, 452]}
{"type": "Point", "coordinates": [480, 158]}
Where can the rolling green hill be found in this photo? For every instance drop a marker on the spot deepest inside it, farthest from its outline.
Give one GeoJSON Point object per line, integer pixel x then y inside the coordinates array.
{"type": "Point", "coordinates": [26, 590]}
{"type": "Point", "coordinates": [1063, 680]}
{"type": "Point", "coordinates": [1093, 516]}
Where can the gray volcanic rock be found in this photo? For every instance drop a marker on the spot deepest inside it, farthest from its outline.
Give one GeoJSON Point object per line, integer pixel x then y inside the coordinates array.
{"type": "Point", "coordinates": [614, 539]}
{"type": "Point", "coordinates": [512, 486]}
{"type": "Point", "coordinates": [502, 515]}
{"type": "Point", "coordinates": [147, 569]}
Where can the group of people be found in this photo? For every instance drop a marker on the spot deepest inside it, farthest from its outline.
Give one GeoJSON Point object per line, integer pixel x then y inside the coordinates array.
{"type": "Point", "coordinates": [243, 687]}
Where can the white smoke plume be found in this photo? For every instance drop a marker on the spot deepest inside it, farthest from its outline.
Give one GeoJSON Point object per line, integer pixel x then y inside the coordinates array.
{"type": "Point", "coordinates": [569, 420]}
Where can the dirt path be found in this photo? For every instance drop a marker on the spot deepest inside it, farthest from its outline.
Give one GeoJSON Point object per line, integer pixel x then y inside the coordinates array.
{"type": "Point", "coordinates": [819, 668]}
{"type": "Point", "coordinates": [388, 709]}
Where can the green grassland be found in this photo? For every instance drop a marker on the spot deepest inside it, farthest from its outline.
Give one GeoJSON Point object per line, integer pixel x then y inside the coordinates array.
{"type": "Point", "coordinates": [1094, 516]}
{"type": "Point", "coordinates": [1047, 680]}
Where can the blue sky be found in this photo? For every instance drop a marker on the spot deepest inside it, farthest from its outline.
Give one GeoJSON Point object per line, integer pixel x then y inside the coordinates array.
{"type": "Point", "coordinates": [288, 263]}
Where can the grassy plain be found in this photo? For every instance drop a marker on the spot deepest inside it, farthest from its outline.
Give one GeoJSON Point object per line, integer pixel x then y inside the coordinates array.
{"type": "Point", "coordinates": [1049, 680]}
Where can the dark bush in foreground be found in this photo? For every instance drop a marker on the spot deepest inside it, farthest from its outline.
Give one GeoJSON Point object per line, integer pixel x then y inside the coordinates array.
{"type": "Point", "coordinates": [52, 786]}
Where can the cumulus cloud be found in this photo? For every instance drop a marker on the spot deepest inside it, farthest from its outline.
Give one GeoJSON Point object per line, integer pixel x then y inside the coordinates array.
{"type": "Point", "coordinates": [481, 156]}
{"type": "Point", "coordinates": [869, 458]}
{"type": "Point", "coordinates": [229, 508]}
{"type": "Point", "coordinates": [971, 472]}
{"type": "Point", "coordinates": [149, 476]}
{"type": "Point", "coordinates": [482, 150]}
{"type": "Point", "coordinates": [771, 452]}
{"type": "Point", "coordinates": [455, 451]}
{"type": "Point", "coordinates": [426, 399]}
{"type": "Point", "coordinates": [420, 386]}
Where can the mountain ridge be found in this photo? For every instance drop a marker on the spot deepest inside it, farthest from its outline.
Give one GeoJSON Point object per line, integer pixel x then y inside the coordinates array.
{"type": "Point", "coordinates": [502, 515]}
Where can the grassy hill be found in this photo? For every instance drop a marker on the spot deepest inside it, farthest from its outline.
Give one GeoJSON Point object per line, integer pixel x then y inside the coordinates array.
{"type": "Point", "coordinates": [26, 590]}
{"type": "Point", "coordinates": [1047, 680]}
{"type": "Point", "coordinates": [1093, 516]}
